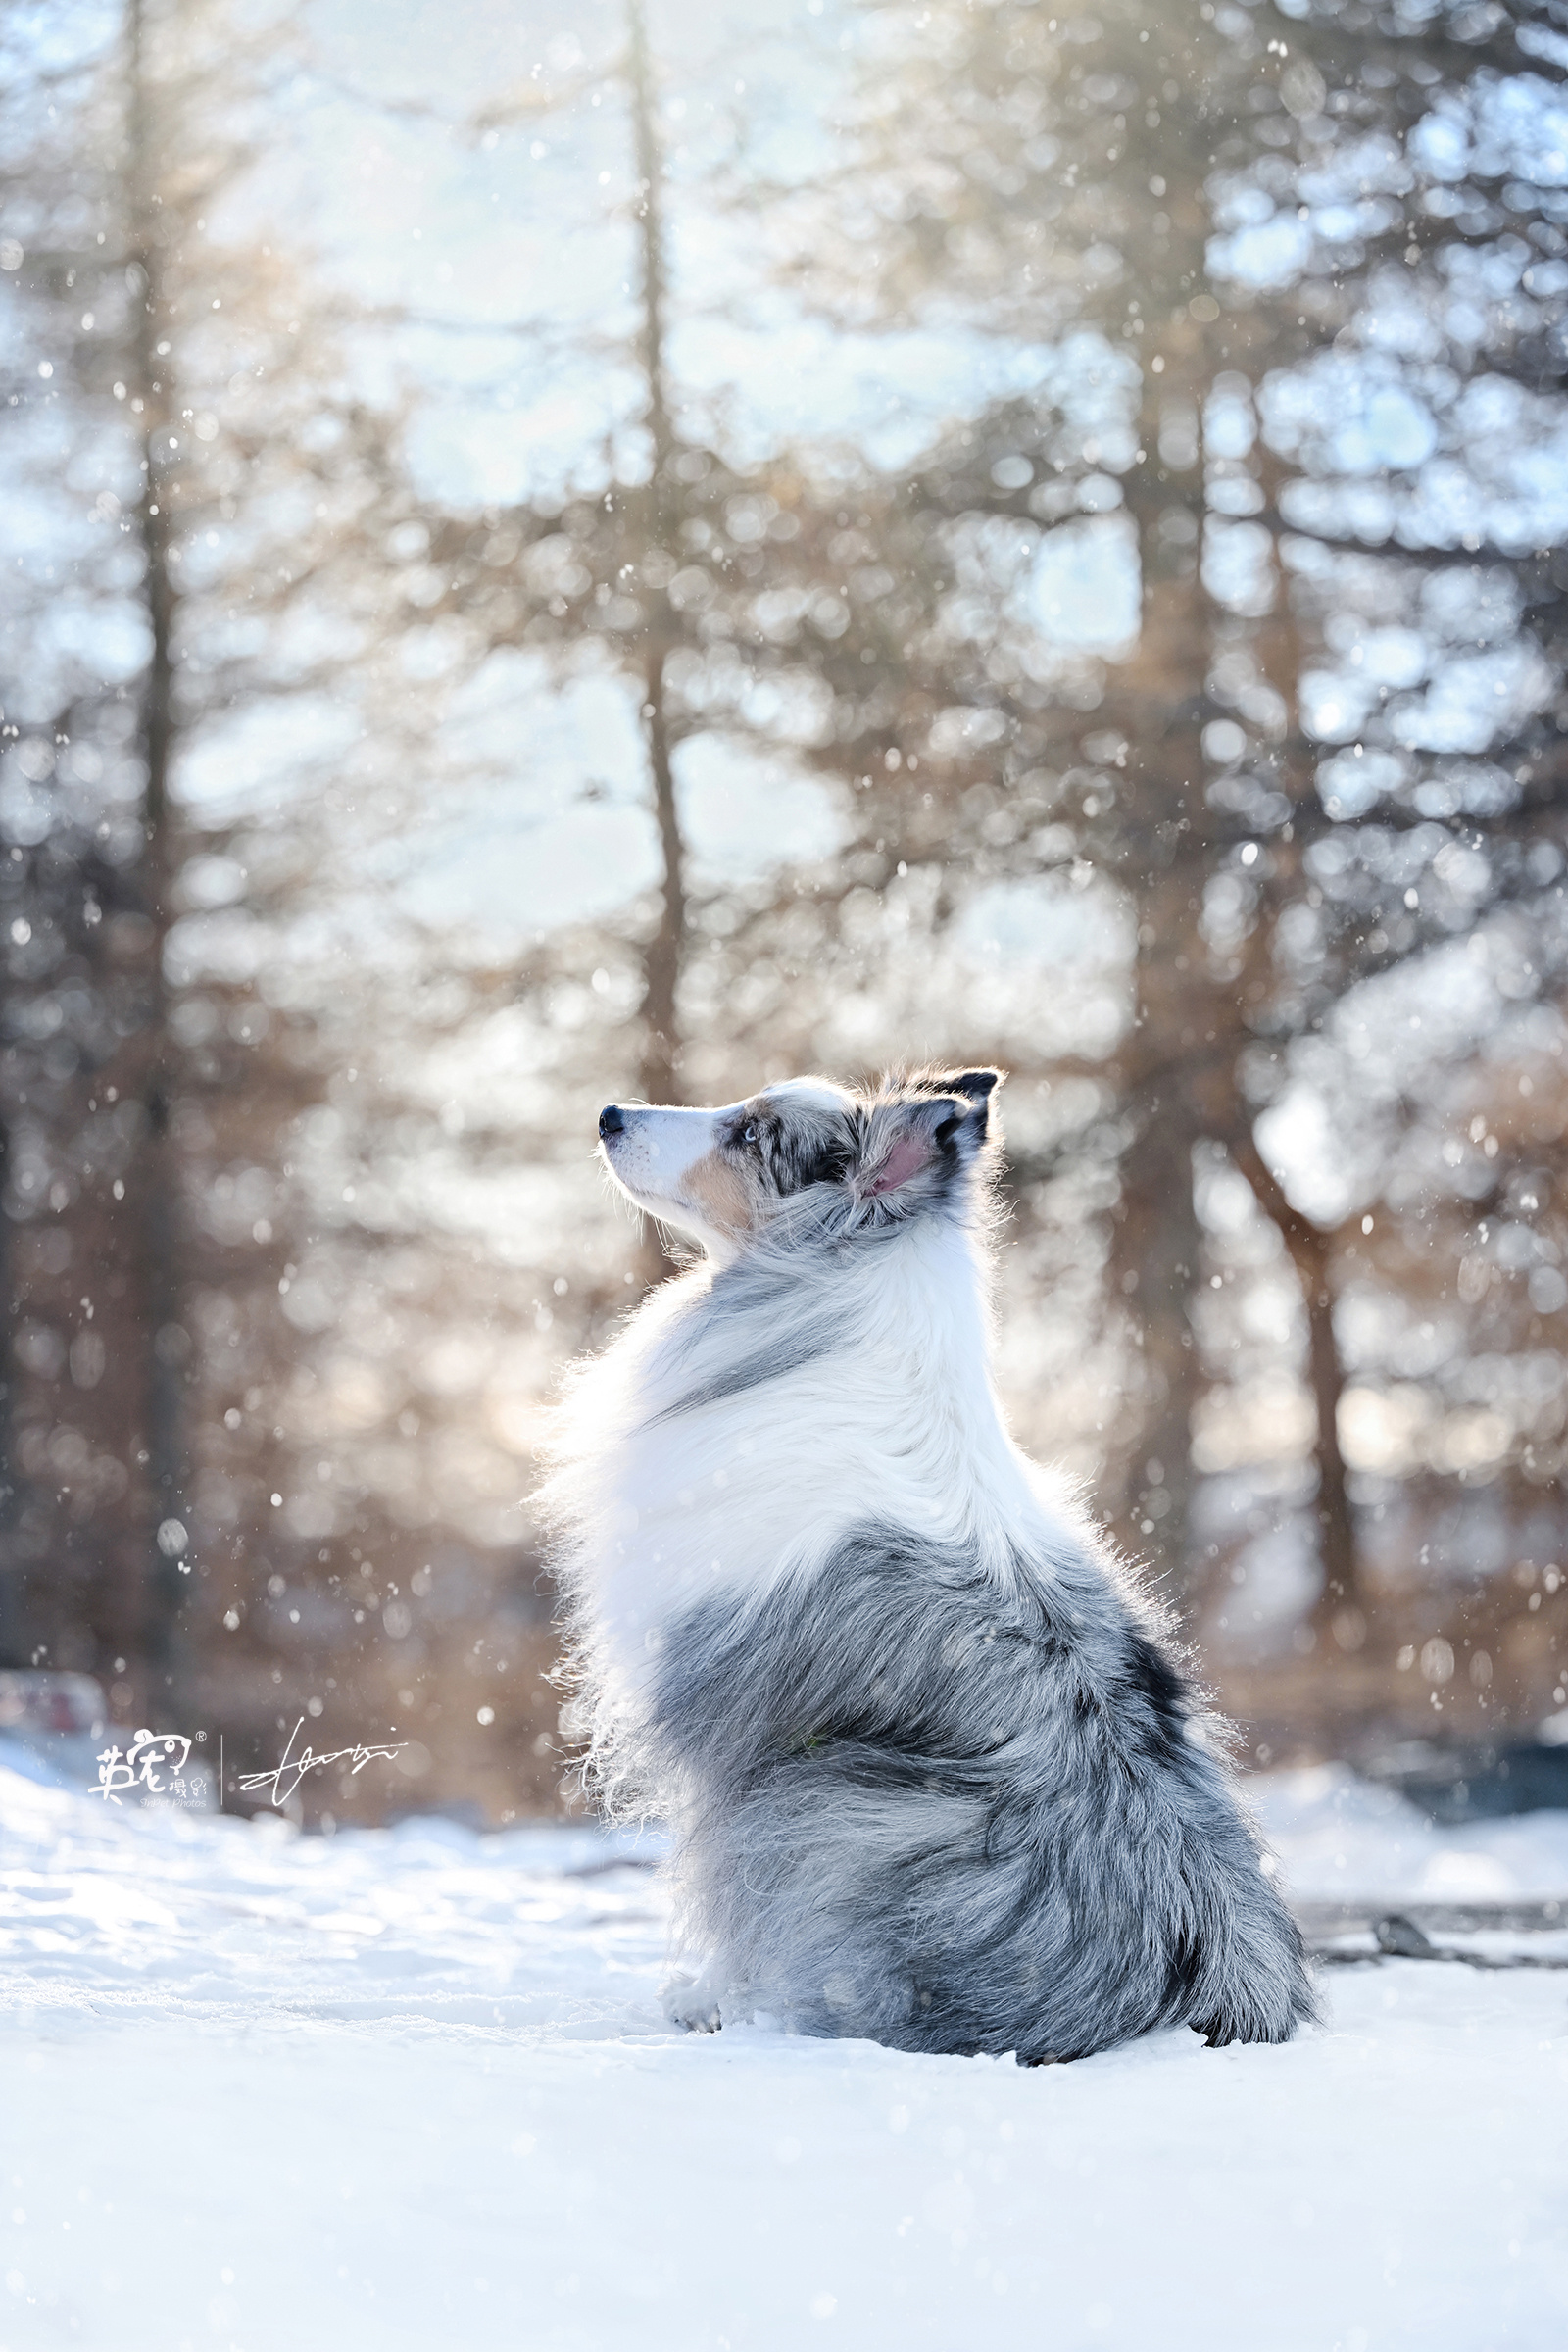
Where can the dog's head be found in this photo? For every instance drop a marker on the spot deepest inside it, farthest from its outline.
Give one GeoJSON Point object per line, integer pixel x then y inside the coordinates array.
{"type": "Point", "coordinates": [806, 1157]}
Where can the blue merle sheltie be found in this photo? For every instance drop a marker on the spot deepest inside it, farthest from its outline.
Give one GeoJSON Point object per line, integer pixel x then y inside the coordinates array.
{"type": "Point", "coordinates": [931, 1772]}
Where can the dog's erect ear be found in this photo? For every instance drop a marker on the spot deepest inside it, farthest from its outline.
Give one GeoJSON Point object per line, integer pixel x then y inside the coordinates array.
{"type": "Point", "coordinates": [906, 1156]}
{"type": "Point", "coordinates": [976, 1087]}
{"type": "Point", "coordinates": [910, 1138]}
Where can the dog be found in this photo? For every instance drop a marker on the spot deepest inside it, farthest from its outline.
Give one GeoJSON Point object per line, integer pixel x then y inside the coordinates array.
{"type": "Point", "coordinates": [932, 1772]}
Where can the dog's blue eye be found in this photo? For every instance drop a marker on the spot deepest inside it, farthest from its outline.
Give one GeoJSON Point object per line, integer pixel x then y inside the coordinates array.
{"type": "Point", "coordinates": [750, 1136]}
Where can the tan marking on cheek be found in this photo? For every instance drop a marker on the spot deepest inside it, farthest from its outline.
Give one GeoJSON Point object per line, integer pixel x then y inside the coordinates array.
{"type": "Point", "coordinates": [717, 1188]}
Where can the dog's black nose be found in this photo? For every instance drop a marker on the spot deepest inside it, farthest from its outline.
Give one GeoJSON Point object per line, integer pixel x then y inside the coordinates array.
{"type": "Point", "coordinates": [611, 1119]}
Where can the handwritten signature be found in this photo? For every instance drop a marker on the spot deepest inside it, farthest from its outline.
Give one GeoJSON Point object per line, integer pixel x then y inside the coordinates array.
{"type": "Point", "coordinates": [306, 1760]}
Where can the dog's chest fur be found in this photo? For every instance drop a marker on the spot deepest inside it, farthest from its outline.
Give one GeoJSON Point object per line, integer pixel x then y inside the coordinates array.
{"type": "Point", "coordinates": [890, 1419]}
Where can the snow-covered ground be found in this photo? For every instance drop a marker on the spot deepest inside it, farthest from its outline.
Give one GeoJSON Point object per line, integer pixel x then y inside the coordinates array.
{"type": "Point", "coordinates": [410, 2088]}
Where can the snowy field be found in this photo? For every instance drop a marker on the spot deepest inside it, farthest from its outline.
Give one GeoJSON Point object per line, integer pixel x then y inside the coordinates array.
{"type": "Point", "coordinates": [410, 2088]}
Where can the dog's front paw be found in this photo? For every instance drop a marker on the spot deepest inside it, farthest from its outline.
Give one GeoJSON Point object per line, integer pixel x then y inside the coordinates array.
{"type": "Point", "coordinates": [688, 2002]}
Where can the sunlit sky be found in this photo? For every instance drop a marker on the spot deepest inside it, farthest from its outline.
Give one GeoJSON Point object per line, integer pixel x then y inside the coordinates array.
{"type": "Point", "coordinates": [519, 238]}
{"type": "Point", "coordinates": [467, 175]}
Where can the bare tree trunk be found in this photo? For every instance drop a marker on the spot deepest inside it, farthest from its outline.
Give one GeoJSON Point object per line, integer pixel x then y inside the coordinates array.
{"type": "Point", "coordinates": [1153, 1260]}
{"type": "Point", "coordinates": [651, 220]}
{"type": "Point", "coordinates": [665, 953]}
{"type": "Point", "coordinates": [1312, 1250]}
{"type": "Point", "coordinates": [661, 957]}
{"type": "Point", "coordinates": [1156, 1243]}
{"type": "Point", "coordinates": [156, 1212]}
{"type": "Point", "coordinates": [1339, 1608]}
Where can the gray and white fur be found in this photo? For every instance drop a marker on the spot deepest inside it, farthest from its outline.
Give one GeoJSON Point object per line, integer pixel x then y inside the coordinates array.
{"type": "Point", "coordinates": [931, 1773]}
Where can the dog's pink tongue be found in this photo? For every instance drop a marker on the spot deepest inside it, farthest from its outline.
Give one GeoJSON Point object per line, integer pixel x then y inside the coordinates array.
{"type": "Point", "coordinates": [906, 1158]}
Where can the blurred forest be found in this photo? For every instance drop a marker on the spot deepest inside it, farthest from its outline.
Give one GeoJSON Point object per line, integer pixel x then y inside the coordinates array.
{"type": "Point", "coordinates": [555, 553]}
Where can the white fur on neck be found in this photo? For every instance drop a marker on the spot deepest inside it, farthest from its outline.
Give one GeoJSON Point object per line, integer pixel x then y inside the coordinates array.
{"type": "Point", "coordinates": [898, 1424]}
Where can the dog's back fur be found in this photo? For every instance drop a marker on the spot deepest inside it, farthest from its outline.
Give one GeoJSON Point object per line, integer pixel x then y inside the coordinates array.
{"type": "Point", "coordinates": [932, 1774]}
